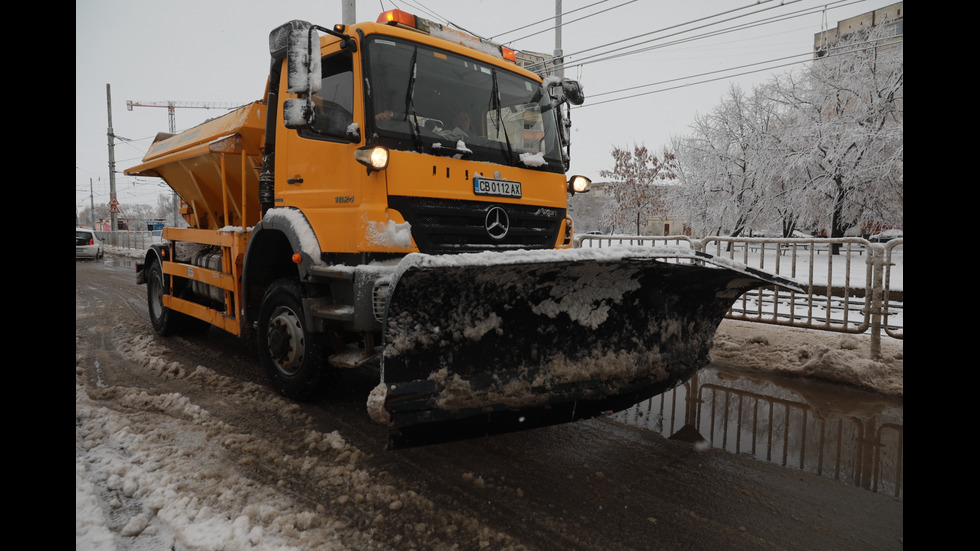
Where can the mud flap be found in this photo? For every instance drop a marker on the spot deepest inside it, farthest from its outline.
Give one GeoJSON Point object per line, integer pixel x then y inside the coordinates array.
{"type": "Point", "coordinates": [479, 344]}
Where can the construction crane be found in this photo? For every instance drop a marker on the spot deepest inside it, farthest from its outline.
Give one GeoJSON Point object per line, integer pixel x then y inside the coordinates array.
{"type": "Point", "coordinates": [173, 105]}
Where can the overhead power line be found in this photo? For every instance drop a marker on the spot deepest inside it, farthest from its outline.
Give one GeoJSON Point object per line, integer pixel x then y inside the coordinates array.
{"type": "Point", "coordinates": [808, 57]}
{"type": "Point", "coordinates": [646, 45]}
{"type": "Point", "coordinates": [686, 27]}
{"type": "Point", "coordinates": [551, 18]}
{"type": "Point", "coordinates": [565, 23]}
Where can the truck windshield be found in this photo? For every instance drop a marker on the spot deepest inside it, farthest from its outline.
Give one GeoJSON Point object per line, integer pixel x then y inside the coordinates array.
{"type": "Point", "coordinates": [433, 101]}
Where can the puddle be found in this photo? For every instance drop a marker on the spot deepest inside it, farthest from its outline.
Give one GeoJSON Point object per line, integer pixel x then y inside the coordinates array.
{"type": "Point", "coordinates": [821, 428]}
{"type": "Point", "coordinates": [120, 262]}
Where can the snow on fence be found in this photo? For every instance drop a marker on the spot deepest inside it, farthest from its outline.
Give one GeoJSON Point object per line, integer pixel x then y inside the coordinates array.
{"type": "Point", "coordinates": [853, 285]}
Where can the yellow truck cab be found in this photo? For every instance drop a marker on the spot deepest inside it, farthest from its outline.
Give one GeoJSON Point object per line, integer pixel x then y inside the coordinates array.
{"type": "Point", "coordinates": [459, 149]}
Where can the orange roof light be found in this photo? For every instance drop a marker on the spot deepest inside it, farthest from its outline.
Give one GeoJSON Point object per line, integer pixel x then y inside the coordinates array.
{"type": "Point", "coordinates": [397, 17]}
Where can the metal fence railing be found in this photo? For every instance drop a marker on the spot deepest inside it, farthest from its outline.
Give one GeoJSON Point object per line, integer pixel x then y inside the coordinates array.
{"type": "Point", "coordinates": [853, 285]}
{"type": "Point", "coordinates": [129, 239]}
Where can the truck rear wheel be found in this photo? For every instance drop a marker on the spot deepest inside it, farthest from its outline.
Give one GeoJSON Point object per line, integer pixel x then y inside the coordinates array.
{"type": "Point", "coordinates": [165, 321]}
{"type": "Point", "coordinates": [290, 353]}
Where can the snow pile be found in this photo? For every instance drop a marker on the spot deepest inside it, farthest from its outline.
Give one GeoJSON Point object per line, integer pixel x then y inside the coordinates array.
{"type": "Point", "coordinates": [842, 365]}
{"type": "Point", "coordinates": [376, 405]}
{"type": "Point", "coordinates": [90, 524]}
{"type": "Point", "coordinates": [390, 234]}
{"type": "Point", "coordinates": [233, 229]}
{"type": "Point", "coordinates": [532, 159]}
{"type": "Point", "coordinates": [812, 354]}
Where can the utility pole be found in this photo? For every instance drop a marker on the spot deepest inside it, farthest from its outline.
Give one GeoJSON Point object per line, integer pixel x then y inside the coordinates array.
{"type": "Point", "coordinates": [171, 107]}
{"type": "Point", "coordinates": [348, 15]}
{"type": "Point", "coordinates": [560, 63]}
{"type": "Point", "coordinates": [91, 208]}
{"type": "Point", "coordinates": [113, 205]}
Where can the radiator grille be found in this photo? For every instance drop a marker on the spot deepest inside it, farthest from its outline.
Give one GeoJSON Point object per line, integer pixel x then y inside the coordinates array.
{"type": "Point", "coordinates": [451, 226]}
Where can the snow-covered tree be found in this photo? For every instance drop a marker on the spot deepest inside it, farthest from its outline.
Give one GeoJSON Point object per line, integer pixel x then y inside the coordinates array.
{"type": "Point", "coordinates": [843, 128]}
{"type": "Point", "coordinates": [637, 176]}
{"type": "Point", "coordinates": [726, 167]}
{"type": "Point", "coordinates": [822, 147]}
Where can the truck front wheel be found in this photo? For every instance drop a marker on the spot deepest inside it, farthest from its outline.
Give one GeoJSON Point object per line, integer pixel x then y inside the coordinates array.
{"type": "Point", "coordinates": [290, 353]}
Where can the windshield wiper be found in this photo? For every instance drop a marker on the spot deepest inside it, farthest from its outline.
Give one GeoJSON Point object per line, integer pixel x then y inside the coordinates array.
{"type": "Point", "coordinates": [410, 102]}
{"type": "Point", "coordinates": [458, 152]}
{"type": "Point", "coordinates": [495, 107]}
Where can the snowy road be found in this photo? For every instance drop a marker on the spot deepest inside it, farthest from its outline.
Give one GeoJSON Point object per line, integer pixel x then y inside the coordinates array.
{"type": "Point", "coordinates": [180, 444]}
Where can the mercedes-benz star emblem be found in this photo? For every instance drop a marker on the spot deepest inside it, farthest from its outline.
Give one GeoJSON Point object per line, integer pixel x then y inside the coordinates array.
{"type": "Point", "coordinates": [497, 223]}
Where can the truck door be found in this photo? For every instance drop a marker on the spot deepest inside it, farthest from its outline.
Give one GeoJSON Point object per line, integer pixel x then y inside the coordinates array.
{"type": "Point", "coordinates": [315, 166]}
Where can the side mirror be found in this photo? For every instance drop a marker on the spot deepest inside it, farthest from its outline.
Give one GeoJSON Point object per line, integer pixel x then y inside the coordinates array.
{"type": "Point", "coordinates": [297, 113]}
{"type": "Point", "coordinates": [303, 61]}
{"type": "Point", "coordinates": [573, 91]}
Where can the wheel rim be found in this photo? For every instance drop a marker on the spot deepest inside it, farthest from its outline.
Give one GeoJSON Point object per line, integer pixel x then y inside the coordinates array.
{"type": "Point", "coordinates": [285, 341]}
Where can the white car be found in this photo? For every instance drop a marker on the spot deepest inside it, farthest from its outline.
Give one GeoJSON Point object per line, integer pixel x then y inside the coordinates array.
{"type": "Point", "coordinates": [87, 244]}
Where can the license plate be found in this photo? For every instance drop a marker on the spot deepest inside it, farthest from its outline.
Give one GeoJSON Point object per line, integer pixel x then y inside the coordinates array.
{"type": "Point", "coordinates": [496, 188]}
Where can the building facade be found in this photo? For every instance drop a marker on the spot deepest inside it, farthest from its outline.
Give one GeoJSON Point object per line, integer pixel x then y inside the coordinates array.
{"type": "Point", "coordinates": [891, 18]}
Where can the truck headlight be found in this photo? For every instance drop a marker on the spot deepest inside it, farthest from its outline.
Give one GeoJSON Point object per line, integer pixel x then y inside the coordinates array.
{"type": "Point", "coordinates": [374, 157]}
{"type": "Point", "coordinates": [578, 184]}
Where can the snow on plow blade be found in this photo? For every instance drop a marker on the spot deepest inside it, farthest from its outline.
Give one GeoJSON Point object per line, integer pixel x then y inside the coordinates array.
{"type": "Point", "coordinates": [486, 343]}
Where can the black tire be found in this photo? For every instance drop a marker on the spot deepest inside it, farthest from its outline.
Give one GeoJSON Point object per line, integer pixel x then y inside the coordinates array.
{"type": "Point", "coordinates": [292, 355]}
{"type": "Point", "coordinates": [165, 321]}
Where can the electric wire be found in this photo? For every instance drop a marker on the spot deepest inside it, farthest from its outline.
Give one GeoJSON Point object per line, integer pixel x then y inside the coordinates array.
{"type": "Point", "coordinates": [564, 23]}
{"type": "Point", "coordinates": [843, 50]}
{"type": "Point", "coordinates": [608, 55]}
{"type": "Point", "coordinates": [548, 19]}
{"type": "Point", "coordinates": [603, 51]}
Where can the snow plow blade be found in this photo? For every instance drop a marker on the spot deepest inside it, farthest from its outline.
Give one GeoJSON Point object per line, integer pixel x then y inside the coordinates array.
{"type": "Point", "coordinates": [487, 343]}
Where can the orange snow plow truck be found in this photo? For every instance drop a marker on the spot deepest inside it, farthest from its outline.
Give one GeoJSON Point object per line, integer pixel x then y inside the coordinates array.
{"type": "Point", "coordinates": [398, 202]}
